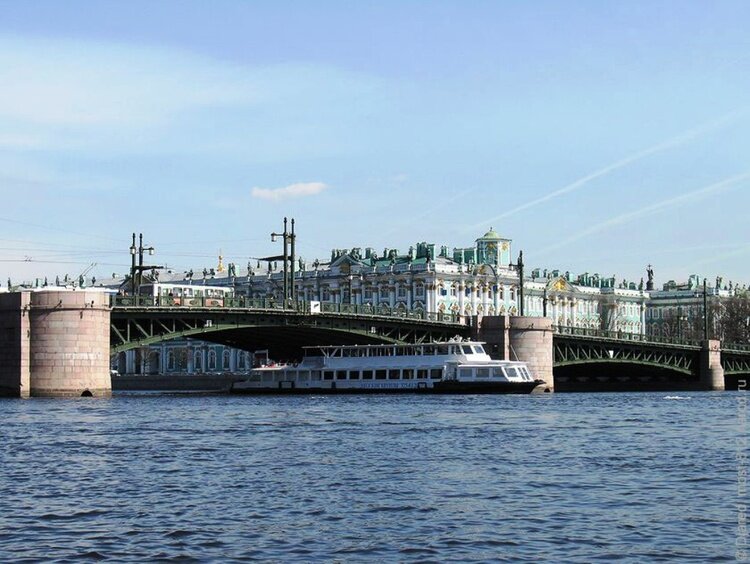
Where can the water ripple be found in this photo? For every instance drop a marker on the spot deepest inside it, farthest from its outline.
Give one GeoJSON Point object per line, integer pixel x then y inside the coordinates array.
{"type": "Point", "coordinates": [207, 478]}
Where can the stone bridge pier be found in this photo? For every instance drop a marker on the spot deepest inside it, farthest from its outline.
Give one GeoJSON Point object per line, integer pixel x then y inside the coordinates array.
{"type": "Point", "coordinates": [55, 343]}
{"type": "Point", "coordinates": [528, 339]}
{"type": "Point", "coordinates": [711, 371]}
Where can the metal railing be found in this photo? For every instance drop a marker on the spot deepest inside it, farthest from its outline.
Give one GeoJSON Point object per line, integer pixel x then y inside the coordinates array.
{"type": "Point", "coordinates": [271, 304]}
{"type": "Point", "coordinates": [620, 335]}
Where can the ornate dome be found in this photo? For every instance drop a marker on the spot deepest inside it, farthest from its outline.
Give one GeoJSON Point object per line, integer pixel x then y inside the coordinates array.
{"type": "Point", "coordinates": [491, 234]}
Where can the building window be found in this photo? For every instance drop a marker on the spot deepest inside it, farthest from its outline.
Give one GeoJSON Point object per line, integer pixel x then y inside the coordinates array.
{"type": "Point", "coordinates": [401, 291]}
{"type": "Point", "coordinates": [170, 360]}
{"type": "Point", "coordinates": [212, 360]}
{"type": "Point", "coordinates": [225, 360]}
{"type": "Point", "coordinates": [419, 290]}
{"type": "Point", "coordinates": [325, 294]}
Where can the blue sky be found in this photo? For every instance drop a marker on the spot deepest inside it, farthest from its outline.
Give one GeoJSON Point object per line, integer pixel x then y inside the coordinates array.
{"type": "Point", "coordinates": [599, 136]}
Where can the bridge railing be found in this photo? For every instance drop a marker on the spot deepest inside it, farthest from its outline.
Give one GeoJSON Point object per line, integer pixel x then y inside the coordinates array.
{"type": "Point", "coordinates": [242, 302]}
{"type": "Point", "coordinates": [619, 335]}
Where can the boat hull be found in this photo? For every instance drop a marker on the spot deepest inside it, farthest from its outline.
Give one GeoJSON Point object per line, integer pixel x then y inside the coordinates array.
{"type": "Point", "coordinates": [446, 387]}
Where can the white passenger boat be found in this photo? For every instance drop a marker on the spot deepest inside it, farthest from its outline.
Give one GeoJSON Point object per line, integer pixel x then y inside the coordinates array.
{"type": "Point", "coordinates": [449, 367]}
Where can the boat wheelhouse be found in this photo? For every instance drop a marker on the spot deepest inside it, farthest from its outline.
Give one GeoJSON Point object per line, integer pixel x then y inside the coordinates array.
{"type": "Point", "coordinates": [448, 367]}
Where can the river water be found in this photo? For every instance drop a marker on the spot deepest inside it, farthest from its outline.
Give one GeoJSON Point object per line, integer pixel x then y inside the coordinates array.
{"type": "Point", "coordinates": [563, 477]}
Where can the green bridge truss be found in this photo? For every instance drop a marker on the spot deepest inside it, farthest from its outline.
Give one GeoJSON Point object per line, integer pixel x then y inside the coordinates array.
{"type": "Point", "coordinates": [243, 323]}
{"type": "Point", "coordinates": [142, 324]}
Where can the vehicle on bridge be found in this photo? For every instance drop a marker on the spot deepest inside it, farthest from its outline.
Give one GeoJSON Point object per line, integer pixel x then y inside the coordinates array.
{"type": "Point", "coordinates": [447, 367]}
{"type": "Point", "coordinates": [167, 294]}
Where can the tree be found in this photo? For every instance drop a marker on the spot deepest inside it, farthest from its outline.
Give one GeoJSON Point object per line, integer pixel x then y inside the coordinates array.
{"type": "Point", "coordinates": [732, 321]}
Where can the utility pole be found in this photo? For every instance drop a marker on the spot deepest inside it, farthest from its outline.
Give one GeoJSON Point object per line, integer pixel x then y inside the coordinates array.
{"type": "Point", "coordinates": [132, 267]}
{"type": "Point", "coordinates": [705, 311]}
{"type": "Point", "coordinates": [136, 270]}
{"type": "Point", "coordinates": [292, 238]}
{"type": "Point", "coordinates": [519, 267]}
{"type": "Point", "coordinates": [289, 241]}
{"type": "Point", "coordinates": [286, 264]}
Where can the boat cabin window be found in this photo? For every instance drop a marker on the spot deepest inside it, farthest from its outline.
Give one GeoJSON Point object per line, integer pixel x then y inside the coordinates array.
{"type": "Point", "coordinates": [483, 372]}
{"type": "Point", "coordinates": [407, 374]}
{"type": "Point", "coordinates": [304, 375]}
{"type": "Point", "coordinates": [478, 349]}
{"type": "Point", "coordinates": [436, 373]}
{"type": "Point", "coordinates": [466, 349]}
{"type": "Point", "coordinates": [465, 372]}
{"type": "Point", "coordinates": [354, 375]}
{"type": "Point", "coordinates": [367, 374]}
{"type": "Point", "coordinates": [328, 375]}
{"type": "Point", "coordinates": [341, 375]}
{"type": "Point", "coordinates": [498, 372]}
{"type": "Point", "coordinates": [422, 373]}
{"type": "Point", "coordinates": [380, 374]}
{"type": "Point", "coordinates": [394, 374]}
{"type": "Point", "coordinates": [513, 372]}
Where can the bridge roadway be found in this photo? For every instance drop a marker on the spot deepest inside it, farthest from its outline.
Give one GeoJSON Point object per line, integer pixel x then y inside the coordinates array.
{"type": "Point", "coordinates": [579, 354]}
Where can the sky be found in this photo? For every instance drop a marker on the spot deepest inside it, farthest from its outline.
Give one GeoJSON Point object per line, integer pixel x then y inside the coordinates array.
{"type": "Point", "coordinates": [598, 136]}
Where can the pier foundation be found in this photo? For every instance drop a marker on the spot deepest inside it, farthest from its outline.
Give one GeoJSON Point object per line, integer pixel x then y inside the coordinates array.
{"type": "Point", "coordinates": [15, 333]}
{"type": "Point", "coordinates": [59, 343]}
{"type": "Point", "coordinates": [528, 339]}
{"type": "Point", "coordinates": [711, 371]}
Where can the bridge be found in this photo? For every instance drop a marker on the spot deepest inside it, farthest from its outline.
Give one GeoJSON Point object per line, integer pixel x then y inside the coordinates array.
{"type": "Point", "coordinates": [252, 324]}
{"type": "Point", "coordinates": [59, 342]}
{"type": "Point", "coordinates": [582, 358]}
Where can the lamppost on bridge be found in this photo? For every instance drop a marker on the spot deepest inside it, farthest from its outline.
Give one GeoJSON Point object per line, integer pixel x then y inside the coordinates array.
{"type": "Point", "coordinates": [519, 267]}
{"type": "Point", "coordinates": [289, 238]}
{"type": "Point", "coordinates": [136, 270]}
{"type": "Point", "coordinates": [705, 311]}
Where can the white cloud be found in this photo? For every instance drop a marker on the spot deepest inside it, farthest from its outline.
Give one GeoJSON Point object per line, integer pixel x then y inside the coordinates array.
{"type": "Point", "coordinates": [292, 191]}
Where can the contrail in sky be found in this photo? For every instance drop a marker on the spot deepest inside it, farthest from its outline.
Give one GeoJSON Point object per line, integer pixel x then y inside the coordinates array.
{"type": "Point", "coordinates": [652, 209]}
{"type": "Point", "coordinates": [745, 249]}
{"type": "Point", "coordinates": [581, 182]}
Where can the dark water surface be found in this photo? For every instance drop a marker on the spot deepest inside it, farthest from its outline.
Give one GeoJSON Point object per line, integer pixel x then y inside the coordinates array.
{"type": "Point", "coordinates": [565, 477]}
